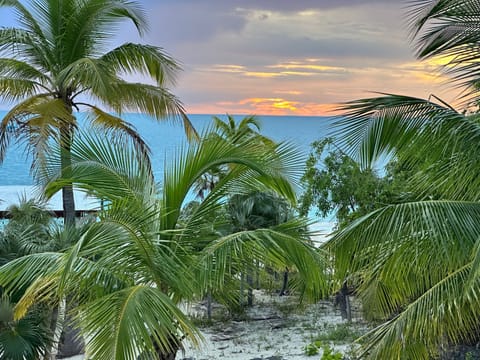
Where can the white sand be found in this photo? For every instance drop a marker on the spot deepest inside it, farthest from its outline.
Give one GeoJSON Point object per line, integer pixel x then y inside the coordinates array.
{"type": "Point", "coordinates": [275, 326]}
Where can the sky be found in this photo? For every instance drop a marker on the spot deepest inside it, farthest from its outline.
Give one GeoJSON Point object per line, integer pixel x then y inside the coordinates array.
{"type": "Point", "coordinates": [286, 57]}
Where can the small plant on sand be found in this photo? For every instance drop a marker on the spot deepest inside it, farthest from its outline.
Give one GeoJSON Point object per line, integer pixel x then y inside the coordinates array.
{"type": "Point", "coordinates": [328, 353]}
{"type": "Point", "coordinates": [312, 348]}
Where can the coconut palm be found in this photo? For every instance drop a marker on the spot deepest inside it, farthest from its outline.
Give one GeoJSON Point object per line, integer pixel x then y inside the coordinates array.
{"type": "Point", "coordinates": [417, 263]}
{"type": "Point", "coordinates": [245, 130]}
{"type": "Point", "coordinates": [129, 271]}
{"type": "Point", "coordinates": [56, 62]}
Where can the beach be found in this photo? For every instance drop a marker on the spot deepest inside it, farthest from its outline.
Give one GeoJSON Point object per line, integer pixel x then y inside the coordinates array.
{"type": "Point", "coordinates": [275, 328]}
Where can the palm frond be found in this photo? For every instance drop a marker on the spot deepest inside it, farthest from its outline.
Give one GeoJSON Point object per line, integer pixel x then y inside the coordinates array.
{"type": "Point", "coordinates": [144, 59]}
{"type": "Point", "coordinates": [445, 312]}
{"type": "Point", "coordinates": [287, 244]}
{"type": "Point", "coordinates": [22, 272]}
{"type": "Point", "coordinates": [118, 127]}
{"type": "Point", "coordinates": [26, 46]}
{"type": "Point", "coordinates": [87, 73]}
{"type": "Point", "coordinates": [33, 121]}
{"type": "Point", "coordinates": [132, 322]}
{"type": "Point", "coordinates": [16, 69]}
{"type": "Point", "coordinates": [449, 29]}
{"type": "Point", "coordinates": [102, 165]}
{"type": "Point", "coordinates": [15, 89]}
{"type": "Point", "coordinates": [253, 167]}
{"type": "Point", "coordinates": [401, 250]}
{"type": "Point", "coordinates": [155, 101]}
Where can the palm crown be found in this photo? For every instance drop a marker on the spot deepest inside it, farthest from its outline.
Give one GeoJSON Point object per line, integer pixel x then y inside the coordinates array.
{"type": "Point", "coordinates": [57, 58]}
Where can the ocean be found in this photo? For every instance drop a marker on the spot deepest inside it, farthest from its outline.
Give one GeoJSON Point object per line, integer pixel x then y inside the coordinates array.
{"type": "Point", "coordinates": [164, 139]}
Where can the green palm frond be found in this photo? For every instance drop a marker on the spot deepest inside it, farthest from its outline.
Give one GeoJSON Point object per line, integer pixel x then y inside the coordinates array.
{"type": "Point", "coordinates": [148, 99]}
{"type": "Point", "coordinates": [26, 17]}
{"type": "Point", "coordinates": [425, 228]}
{"type": "Point", "coordinates": [111, 170]}
{"type": "Point", "coordinates": [438, 140]}
{"type": "Point", "coordinates": [445, 25]}
{"type": "Point", "coordinates": [87, 73]}
{"type": "Point", "coordinates": [449, 29]}
{"type": "Point", "coordinates": [22, 272]}
{"type": "Point", "coordinates": [115, 125]}
{"type": "Point", "coordinates": [445, 312]}
{"type": "Point", "coordinates": [132, 322]}
{"type": "Point", "coordinates": [16, 69]}
{"type": "Point", "coordinates": [155, 101]}
{"type": "Point", "coordinates": [144, 59]}
{"type": "Point", "coordinates": [35, 122]}
{"type": "Point", "coordinates": [253, 168]}
{"type": "Point", "coordinates": [285, 245]}
{"type": "Point", "coordinates": [373, 127]}
{"type": "Point", "coordinates": [14, 89]}
{"type": "Point", "coordinates": [406, 252]}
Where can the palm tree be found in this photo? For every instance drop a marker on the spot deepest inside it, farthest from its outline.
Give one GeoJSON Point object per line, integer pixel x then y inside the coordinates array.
{"type": "Point", "coordinates": [247, 129]}
{"type": "Point", "coordinates": [57, 61]}
{"type": "Point", "coordinates": [417, 263]}
{"type": "Point", "coordinates": [258, 210]}
{"type": "Point", "coordinates": [128, 272]}
{"type": "Point", "coordinates": [28, 231]}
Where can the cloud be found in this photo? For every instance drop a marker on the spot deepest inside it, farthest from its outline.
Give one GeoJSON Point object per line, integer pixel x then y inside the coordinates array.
{"type": "Point", "coordinates": [294, 57]}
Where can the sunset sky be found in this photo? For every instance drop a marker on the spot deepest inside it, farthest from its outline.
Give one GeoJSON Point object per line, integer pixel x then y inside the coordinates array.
{"type": "Point", "coordinates": [285, 57]}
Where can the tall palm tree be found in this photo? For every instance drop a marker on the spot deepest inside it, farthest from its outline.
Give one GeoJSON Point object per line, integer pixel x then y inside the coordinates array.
{"type": "Point", "coordinates": [129, 271]}
{"type": "Point", "coordinates": [56, 62]}
{"type": "Point", "coordinates": [417, 263]}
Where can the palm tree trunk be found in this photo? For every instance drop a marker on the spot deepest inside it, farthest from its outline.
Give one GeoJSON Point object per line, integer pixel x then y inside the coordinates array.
{"type": "Point", "coordinates": [175, 346]}
{"type": "Point", "coordinates": [58, 320]}
{"type": "Point", "coordinates": [66, 135]}
{"type": "Point", "coordinates": [250, 285]}
{"type": "Point", "coordinates": [283, 291]}
{"type": "Point", "coordinates": [209, 305]}
{"type": "Point", "coordinates": [242, 286]}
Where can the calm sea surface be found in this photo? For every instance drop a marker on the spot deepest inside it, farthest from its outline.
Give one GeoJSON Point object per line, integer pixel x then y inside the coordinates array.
{"type": "Point", "coordinates": [164, 138]}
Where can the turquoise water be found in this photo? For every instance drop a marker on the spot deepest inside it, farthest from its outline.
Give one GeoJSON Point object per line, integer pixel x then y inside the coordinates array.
{"type": "Point", "coordinates": [164, 138]}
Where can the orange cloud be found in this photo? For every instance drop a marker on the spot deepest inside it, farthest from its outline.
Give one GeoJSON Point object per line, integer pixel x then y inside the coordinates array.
{"type": "Point", "coordinates": [261, 74]}
{"type": "Point", "coordinates": [266, 106]}
{"type": "Point", "coordinates": [298, 65]}
{"type": "Point", "coordinates": [227, 68]}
